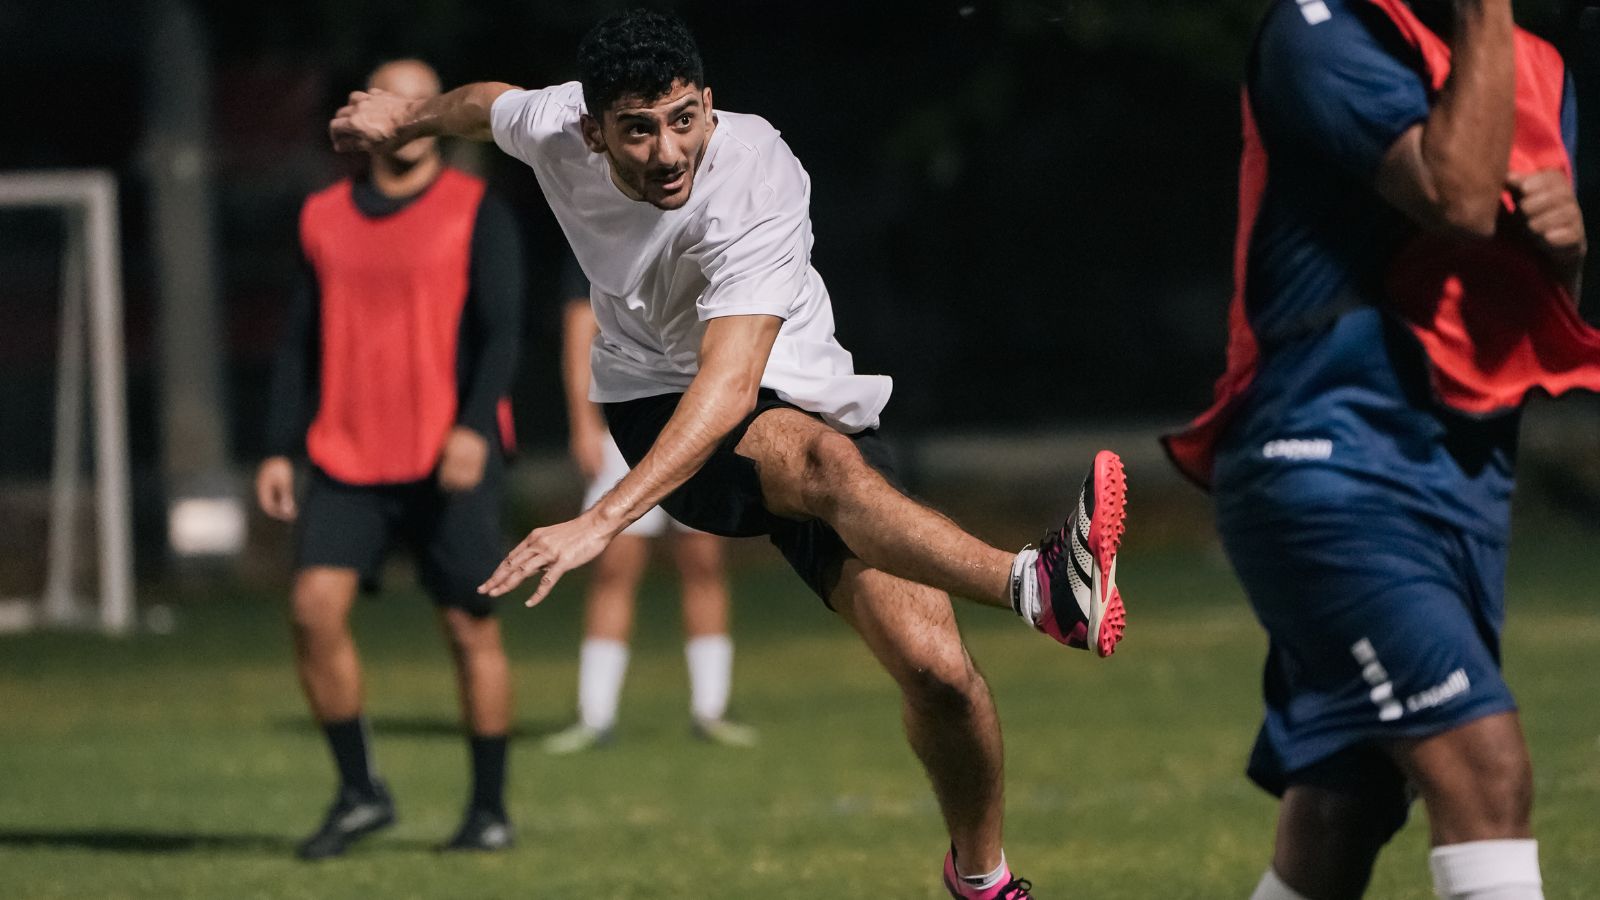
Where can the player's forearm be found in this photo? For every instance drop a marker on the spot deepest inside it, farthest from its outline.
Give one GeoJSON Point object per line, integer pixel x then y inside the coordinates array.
{"type": "Point", "coordinates": [1466, 144]}
{"type": "Point", "coordinates": [463, 113]}
{"type": "Point", "coordinates": [709, 411]}
{"type": "Point", "coordinates": [733, 357]}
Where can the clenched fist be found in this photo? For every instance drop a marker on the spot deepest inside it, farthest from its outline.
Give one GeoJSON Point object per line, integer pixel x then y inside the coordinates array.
{"type": "Point", "coordinates": [371, 120]}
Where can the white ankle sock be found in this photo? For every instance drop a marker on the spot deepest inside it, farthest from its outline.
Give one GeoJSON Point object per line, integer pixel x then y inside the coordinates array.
{"type": "Point", "coordinates": [1273, 888]}
{"type": "Point", "coordinates": [602, 663]}
{"type": "Point", "coordinates": [710, 659]}
{"type": "Point", "coordinates": [987, 880]}
{"type": "Point", "coordinates": [1487, 870]}
{"type": "Point", "coordinates": [1025, 586]}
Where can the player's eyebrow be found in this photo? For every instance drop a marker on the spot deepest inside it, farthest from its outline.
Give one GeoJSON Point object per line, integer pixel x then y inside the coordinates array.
{"type": "Point", "coordinates": [647, 114]}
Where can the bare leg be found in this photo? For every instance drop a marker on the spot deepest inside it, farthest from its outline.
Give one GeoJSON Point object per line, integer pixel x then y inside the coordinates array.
{"type": "Point", "coordinates": [1327, 842]}
{"type": "Point", "coordinates": [324, 651]}
{"type": "Point", "coordinates": [949, 716]}
{"type": "Point", "coordinates": [482, 673]}
{"type": "Point", "coordinates": [1476, 780]}
{"type": "Point", "coordinates": [613, 585]}
{"type": "Point", "coordinates": [808, 470]}
{"type": "Point", "coordinates": [705, 583]}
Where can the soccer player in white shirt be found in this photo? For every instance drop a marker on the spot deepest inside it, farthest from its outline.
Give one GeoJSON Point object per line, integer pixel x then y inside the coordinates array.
{"type": "Point", "coordinates": [741, 414]}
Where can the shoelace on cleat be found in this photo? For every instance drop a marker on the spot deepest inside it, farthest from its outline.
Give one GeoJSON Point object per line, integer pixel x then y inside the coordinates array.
{"type": "Point", "coordinates": [1051, 549]}
{"type": "Point", "coordinates": [1017, 889]}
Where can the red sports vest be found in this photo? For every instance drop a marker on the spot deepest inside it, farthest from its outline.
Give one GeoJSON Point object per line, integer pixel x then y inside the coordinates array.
{"type": "Point", "coordinates": [1494, 323]}
{"type": "Point", "coordinates": [392, 291]}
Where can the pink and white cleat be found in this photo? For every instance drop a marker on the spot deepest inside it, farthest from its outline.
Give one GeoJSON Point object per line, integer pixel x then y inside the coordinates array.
{"type": "Point", "coordinates": [1009, 888]}
{"type": "Point", "coordinates": [1076, 567]}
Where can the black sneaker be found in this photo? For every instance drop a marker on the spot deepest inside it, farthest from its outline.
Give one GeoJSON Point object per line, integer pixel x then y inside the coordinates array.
{"type": "Point", "coordinates": [356, 813]}
{"type": "Point", "coordinates": [484, 830]}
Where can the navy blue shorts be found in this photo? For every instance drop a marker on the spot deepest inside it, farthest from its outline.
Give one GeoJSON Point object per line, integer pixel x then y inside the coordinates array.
{"type": "Point", "coordinates": [455, 538]}
{"type": "Point", "coordinates": [1383, 625]}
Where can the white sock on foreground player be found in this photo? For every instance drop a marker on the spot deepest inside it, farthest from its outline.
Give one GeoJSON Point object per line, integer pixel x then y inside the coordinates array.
{"type": "Point", "coordinates": [1477, 870]}
{"type": "Point", "coordinates": [1487, 870]}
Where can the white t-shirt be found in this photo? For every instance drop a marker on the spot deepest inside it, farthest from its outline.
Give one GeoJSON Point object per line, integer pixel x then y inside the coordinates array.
{"type": "Point", "coordinates": [741, 245]}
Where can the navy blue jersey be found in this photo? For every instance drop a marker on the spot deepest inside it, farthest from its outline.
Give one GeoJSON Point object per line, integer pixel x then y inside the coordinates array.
{"type": "Point", "coordinates": [1340, 412]}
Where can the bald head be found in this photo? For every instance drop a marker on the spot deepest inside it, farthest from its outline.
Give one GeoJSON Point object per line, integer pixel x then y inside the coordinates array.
{"type": "Point", "coordinates": [411, 78]}
{"type": "Point", "coordinates": [414, 80]}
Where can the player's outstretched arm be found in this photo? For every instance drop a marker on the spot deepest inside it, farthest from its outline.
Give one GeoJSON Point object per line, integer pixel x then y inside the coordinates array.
{"type": "Point", "coordinates": [1448, 173]}
{"type": "Point", "coordinates": [374, 119]}
{"type": "Point", "coordinates": [733, 356]}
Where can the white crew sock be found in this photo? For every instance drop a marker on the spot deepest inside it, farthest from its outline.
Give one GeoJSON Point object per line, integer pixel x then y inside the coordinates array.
{"type": "Point", "coordinates": [1025, 586]}
{"type": "Point", "coordinates": [710, 658]}
{"type": "Point", "coordinates": [1273, 888]}
{"type": "Point", "coordinates": [602, 663]}
{"type": "Point", "coordinates": [1487, 870]}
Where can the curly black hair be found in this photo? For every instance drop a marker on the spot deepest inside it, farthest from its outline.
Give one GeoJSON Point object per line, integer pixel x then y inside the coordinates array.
{"type": "Point", "coordinates": [638, 53]}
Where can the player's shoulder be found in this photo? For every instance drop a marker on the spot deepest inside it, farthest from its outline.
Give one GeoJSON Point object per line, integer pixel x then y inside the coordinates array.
{"type": "Point", "coordinates": [753, 154]}
{"type": "Point", "coordinates": [1298, 31]}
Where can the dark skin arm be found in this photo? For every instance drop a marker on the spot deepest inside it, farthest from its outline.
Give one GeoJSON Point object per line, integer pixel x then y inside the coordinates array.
{"type": "Point", "coordinates": [1548, 208]}
{"type": "Point", "coordinates": [733, 356]}
{"type": "Point", "coordinates": [1447, 174]}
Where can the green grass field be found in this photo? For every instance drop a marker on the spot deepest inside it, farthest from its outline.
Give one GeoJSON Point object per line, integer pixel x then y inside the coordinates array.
{"type": "Point", "coordinates": [183, 765]}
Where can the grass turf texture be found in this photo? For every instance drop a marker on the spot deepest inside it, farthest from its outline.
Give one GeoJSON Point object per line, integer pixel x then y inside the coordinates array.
{"type": "Point", "coordinates": [184, 765]}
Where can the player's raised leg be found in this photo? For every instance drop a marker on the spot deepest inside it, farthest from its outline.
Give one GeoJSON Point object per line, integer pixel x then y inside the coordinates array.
{"type": "Point", "coordinates": [949, 715]}
{"type": "Point", "coordinates": [330, 674]}
{"type": "Point", "coordinates": [1066, 588]}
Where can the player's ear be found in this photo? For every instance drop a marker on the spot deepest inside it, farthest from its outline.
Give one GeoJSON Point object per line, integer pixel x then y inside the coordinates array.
{"type": "Point", "coordinates": [593, 137]}
{"type": "Point", "coordinates": [705, 100]}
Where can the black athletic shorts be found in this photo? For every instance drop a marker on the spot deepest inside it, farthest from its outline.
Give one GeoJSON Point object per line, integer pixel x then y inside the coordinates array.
{"type": "Point", "coordinates": [724, 497]}
{"type": "Point", "coordinates": [455, 538]}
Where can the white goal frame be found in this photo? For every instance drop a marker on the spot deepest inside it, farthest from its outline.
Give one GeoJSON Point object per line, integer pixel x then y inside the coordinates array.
{"type": "Point", "coordinates": [91, 289]}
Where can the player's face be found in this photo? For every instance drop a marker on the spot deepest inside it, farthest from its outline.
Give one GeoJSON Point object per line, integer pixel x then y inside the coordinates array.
{"type": "Point", "coordinates": [655, 146]}
{"type": "Point", "coordinates": [414, 81]}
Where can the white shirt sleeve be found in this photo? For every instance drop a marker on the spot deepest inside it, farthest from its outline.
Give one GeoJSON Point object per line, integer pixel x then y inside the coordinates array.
{"type": "Point", "coordinates": [756, 248]}
{"type": "Point", "coordinates": [522, 120]}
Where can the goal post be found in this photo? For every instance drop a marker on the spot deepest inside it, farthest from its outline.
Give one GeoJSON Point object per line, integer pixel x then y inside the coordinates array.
{"type": "Point", "coordinates": [91, 339]}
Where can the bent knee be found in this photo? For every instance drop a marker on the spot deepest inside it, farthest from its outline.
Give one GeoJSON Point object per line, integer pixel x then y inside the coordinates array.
{"type": "Point", "coordinates": [472, 635]}
{"type": "Point", "coordinates": [952, 689]}
{"type": "Point", "coordinates": [830, 464]}
{"type": "Point", "coordinates": [320, 603]}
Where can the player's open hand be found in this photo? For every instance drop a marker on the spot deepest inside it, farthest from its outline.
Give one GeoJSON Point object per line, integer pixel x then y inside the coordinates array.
{"type": "Point", "coordinates": [549, 552]}
{"type": "Point", "coordinates": [275, 488]}
{"type": "Point", "coordinates": [370, 120]}
{"type": "Point", "coordinates": [461, 463]}
{"type": "Point", "coordinates": [1548, 207]}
